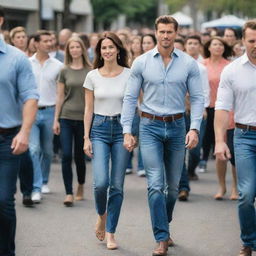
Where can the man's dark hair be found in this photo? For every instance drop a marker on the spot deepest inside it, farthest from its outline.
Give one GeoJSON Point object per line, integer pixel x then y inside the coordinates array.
{"type": "Point", "coordinates": [41, 33]}
{"type": "Point", "coordinates": [166, 19]}
{"type": "Point", "coordinates": [249, 24]}
{"type": "Point", "coordinates": [195, 37]}
{"type": "Point", "coordinates": [2, 13]}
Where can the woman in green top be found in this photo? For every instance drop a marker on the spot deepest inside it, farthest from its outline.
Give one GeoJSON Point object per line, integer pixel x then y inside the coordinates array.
{"type": "Point", "coordinates": [68, 120]}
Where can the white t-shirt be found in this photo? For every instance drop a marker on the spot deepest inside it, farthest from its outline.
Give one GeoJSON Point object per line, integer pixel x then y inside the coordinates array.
{"type": "Point", "coordinates": [108, 91]}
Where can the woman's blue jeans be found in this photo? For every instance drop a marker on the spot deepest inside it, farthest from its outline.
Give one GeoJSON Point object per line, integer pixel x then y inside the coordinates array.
{"type": "Point", "coordinates": [107, 143]}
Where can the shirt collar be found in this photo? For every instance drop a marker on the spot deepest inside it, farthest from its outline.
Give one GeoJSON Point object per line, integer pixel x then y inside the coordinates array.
{"type": "Point", "coordinates": [3, 46]}
{"type": "Point", "coordinates": [174, 53]}
{"type": "Point", "coordinates": [34, 59]}
{"type": "Point", "coordinates": [244, 58]}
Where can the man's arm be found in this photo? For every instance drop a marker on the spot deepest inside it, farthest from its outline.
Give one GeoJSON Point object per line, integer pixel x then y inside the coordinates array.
{"type": "Point", "coordinates": [196, 98]}
{"type": "Point", "coordinates": [20, 141]}
{"type": "Point", "coordinates": [221, 121]}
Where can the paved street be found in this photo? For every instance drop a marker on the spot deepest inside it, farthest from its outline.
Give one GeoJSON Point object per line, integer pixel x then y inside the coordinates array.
{"type": "Point", "coordinates": [201, 226]}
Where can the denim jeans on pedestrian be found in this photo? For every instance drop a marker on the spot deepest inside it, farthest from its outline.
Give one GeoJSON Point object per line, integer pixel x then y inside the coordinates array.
{"type": "Point", "coordinates": [72, 136]}
{"type": "Point", "coordinates": [162, 148]}
{"type": "Point", "coordinates": [245, 155]}
{"type": "Point", "coordinates": [41, 146]}
{"type": "Point", "coordinates": [140, 163]}
{"type": "Point", "coordinates": [107, 142]}
{"type": "Point", "coordinates": [26, 174]}
{"type": "Point", "coordinates": [9, 167]}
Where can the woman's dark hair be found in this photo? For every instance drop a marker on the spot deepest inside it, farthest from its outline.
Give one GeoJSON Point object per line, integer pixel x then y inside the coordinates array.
{"type": "Point", "coordinates": [149, 35]}
{"type": "Point", "coordinates": [122, 58]}
{"type": "Point", "coordinates": [85, 40]}
{"type": "Point", "coordinates": [227, 49]}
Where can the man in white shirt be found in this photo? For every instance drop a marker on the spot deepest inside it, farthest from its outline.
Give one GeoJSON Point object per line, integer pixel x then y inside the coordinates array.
{"type": "Point", "coordinates": [237, 91]}
{"type": "Point", "coordinates": [46, 70]}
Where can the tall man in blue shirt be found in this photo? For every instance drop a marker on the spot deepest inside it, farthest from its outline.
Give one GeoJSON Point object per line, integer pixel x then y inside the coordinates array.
{"type": "Point", "coordinates": [165, 75]}
{"type": "Point", "coordinates": [18, 97]}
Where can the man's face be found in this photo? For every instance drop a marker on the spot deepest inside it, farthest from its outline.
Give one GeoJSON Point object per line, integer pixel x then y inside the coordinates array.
{"type": "Point", "coordinates": [249, 42]}
{"type": "Point", "coordinates": [20, 40]}
{"type": "Point", "coordinates": [165, 35]}
{"type": "Point", "coordinates": [229, 37]}
{"type": "Point", "coordinates": [192, 47]}
{"type": "Point", "coordinates": [45, 44]}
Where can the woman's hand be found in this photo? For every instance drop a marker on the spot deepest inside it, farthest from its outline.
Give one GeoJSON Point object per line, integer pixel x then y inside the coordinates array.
{"type": "Point", "coordinates": [56, 127]}
{"type": "Point", "coordinates": [88, 147]}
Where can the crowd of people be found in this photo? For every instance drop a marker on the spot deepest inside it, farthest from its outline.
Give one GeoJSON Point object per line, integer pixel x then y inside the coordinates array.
{"type": "Point", "coordinates": [97, 97]}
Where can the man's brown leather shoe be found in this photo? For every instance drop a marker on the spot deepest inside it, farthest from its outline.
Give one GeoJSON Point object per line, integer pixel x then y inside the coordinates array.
{"type": "Point", "coordinates": [183, 195]}
{"type": "Point", "coordinates": [161, 249]}
{"type": "Point", "coordinates": [245, 251]}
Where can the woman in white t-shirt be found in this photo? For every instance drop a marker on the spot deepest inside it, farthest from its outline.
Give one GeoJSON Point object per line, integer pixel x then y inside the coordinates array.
{"type": "Point", "coordinates": [103, 140]}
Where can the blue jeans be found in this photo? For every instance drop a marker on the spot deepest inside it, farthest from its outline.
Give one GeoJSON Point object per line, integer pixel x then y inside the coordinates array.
{"type": "Point", "coordinates": [9, 167]}
{"type": "Point", "coordinates": [72, 131]}
{"type": "Point", "coordinates": [140, 163]}
{"type": "Point", "coordinates": [41, 147]}
{"type": "Point", "coordinates": [26, 174]}
{"type": "Point", "coordinates": [162, 148]}
{"type": "Point", "coordinates": [107, 142]}
{"type": "Point", "coordinates": [245, 155]}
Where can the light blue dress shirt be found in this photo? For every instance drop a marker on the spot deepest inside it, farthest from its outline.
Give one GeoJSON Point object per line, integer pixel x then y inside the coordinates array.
{"type": "Point", "coordinates": [17, 85]}
{"type": "Point", "coordinates": [164, 88]}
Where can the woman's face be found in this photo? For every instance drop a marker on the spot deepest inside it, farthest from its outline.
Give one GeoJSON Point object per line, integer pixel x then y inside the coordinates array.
{"type": "Point", "coordinates": [238, 50]}
{"type": "Point", "coordinates": [75, 50]}
{"type": "Point", "coordinates": [108, 50]}
{"type": "Point", "coordinates": [216, 48]}
{"type": "Point", "coordinates": [147, 43]}
{"type": "Point", "coordinates": [136, 45]}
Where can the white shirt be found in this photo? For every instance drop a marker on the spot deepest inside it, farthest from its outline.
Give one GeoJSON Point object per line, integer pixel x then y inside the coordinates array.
{"type": "Point", "coordinates": [108, 91]}
{"type": "Point", "coordinates": [46, 78]}
{"type": "Point", "coordinates": [237, 90]}
{"type": "Point", "coordinates": [205, 83]}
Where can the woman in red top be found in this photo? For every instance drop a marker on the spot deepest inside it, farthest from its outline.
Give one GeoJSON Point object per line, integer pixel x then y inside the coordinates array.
{"type": "Point", "coordinates": [216, 52]}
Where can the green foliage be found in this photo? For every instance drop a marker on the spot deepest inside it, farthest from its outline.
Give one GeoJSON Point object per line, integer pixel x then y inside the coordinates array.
{"type": "Point", "coordinates": [105, 11]}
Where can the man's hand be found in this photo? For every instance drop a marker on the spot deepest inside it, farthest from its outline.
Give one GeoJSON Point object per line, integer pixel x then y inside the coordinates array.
{"type": "Point", "coordinates": [129, 142]}
{"type": "Point", "coordinates": [222, 151]}
{"type": "Point", "coordinates": [20, 143]}
{"type": "Point", "coordinates": [191, 139]}
{"type": "Point", "coordinates": [56, 127]}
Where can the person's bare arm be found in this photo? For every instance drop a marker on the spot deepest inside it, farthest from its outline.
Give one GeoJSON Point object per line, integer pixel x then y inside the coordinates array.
{"type": "Point", "coordinates": [88, 115]}
{"type": "Point", "coordinates": [221, 121]}
{"type": "Point", "coordinates": [21, 140]}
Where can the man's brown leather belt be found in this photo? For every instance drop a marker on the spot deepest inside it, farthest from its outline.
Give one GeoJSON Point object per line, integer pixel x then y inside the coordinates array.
{"type": "Point", "coordinates": [45, 107]}
{"type": "Point", "coordinates": [8, 130]}
{"type": "Point", "coordinates": [246, 127]}
{"type": "Point", "coordinates": [162, 118]}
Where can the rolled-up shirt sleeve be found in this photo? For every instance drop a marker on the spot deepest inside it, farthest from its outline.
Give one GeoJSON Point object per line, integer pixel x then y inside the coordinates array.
{"type": "Point", "coordinates": [132, 92]}
{"type": "Point", "coordinates": [196, 96]}
{"type": "Point", "coordinates": [26, 83]}
{"type": "Point", "coordinates": [225, 96]}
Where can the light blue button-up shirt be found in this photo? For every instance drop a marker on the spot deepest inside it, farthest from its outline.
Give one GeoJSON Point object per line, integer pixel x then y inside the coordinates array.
{"type": "Point", "coordinates": [164, 88]}
{"type": "Point", "coordinates": [17, 85]}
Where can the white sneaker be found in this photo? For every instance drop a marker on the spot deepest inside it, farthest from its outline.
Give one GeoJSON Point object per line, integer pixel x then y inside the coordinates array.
{"type": "Point", "coordinates": [141, 173]}
{"type": "Point", "coordinates": [36, 197]}
{"type": "Point", "coordinates": [128, 171]}
{"type": "Point", "coordinates": [45, 189]}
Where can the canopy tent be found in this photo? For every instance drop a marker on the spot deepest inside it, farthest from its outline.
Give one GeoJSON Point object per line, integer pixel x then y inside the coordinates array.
{"type": "Point", "coordinates": [182, 19]}
{"type": "Point", "coordinates": [224, 22]}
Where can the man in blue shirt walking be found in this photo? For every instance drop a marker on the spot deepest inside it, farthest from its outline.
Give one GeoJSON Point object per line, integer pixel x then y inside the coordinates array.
{"type": "Point", "coordinates": [165, 75]}
{"type": "Point", "coordinates": [18, 97]}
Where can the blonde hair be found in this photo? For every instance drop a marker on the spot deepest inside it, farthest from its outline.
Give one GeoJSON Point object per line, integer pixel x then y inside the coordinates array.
{"type": "Point", "coordinates": [16, 30]}
{"type": "Point", "coordinates": [68, 57]}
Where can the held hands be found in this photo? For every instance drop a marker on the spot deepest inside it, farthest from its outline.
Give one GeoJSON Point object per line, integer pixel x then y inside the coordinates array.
{"type": "Point", "coordinates": [56, 127]}
{"type": "Point", "coordinates": [88, 147]}
{"type": "Point", "coordinates": [20, 143]}
{"type": "Point", "coordinates": [222, 151]}
{"type": "Point", "coordinates": [191, 139]}
{"type": "Point", "coordinates": [130, 142]}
